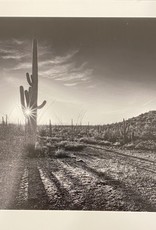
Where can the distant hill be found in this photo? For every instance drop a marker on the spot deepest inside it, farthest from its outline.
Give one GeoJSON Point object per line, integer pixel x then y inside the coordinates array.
{"type": "Point", "coordinates": [142, 127]}
{"type": "Point", "coordinates": [137, 132]}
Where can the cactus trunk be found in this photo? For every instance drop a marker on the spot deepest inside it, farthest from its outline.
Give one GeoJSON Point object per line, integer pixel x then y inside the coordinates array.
{"type": "Point", "coordinates": [33, 120]}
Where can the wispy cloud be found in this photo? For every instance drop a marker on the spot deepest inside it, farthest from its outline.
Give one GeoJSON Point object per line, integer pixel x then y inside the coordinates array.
{"type": "Point", "coordinates": [71, 84]}
{"type": "Point", "coordinates": [69, 74]}
{"type": "Point", "coordinates": [13, 50]}
{"type": "Point", "coordinates": [91, 86]}
{"type": "Point", "coordinates": [17, 41]}
{"type": "Point", "coordinates": [75, 76]}
{"type": "Point", "coordinates": [63, 68]}
{"type": "Point", "coordinates": [22, 66]}
{"type": "Point", "coordinates": [66, 70]}
{"type": "Point", "coordinates": [59, 59]}
{"type": "Point", "coordinates": [14, 56]}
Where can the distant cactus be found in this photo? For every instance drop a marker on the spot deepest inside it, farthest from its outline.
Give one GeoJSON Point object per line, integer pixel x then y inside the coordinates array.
{"type": "Point", "coordinates": [5, 121]}
{"type": "Point", "coordinates": [87, 129]}
{"type": "Point", "coordinates": [124, 131]}
{"type": "Point", "coordinates": [4, 127]}
{"type": "Point", "coordinates": [29, 97]}
{"type": "Point", "coordinates": [50, 128]}
{"type": "Point", "coordinates": [72, 130]}
{"type": "Point", "coordinates": [132, 135]}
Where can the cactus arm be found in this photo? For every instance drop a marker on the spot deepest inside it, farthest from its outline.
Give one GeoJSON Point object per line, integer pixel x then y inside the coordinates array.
{"type": "Point", "coordinates": [22, 97]}
{"type": "Point", "coordinates": [27, 97]}
{"type": "Point", "coordinates": [28, 79]}
{"type": "Point", "coordinates": [30, 96]}
{"type": "Point", "coordinates": [32, 79]}
{"type": "Point", "coordinates": [30, 91]}
{"type": "Point", "coordinates": [42, 105]}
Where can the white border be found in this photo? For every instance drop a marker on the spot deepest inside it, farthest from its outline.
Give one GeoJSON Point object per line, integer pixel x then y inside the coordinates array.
{"type": "Point", "coordinates": [74, 220]}
{"type": "Point", "coordinates": [78, 8]}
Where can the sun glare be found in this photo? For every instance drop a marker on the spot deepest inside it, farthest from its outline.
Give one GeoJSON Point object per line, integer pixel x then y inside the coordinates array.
{"type": "Point", "coordinates": [28, 112]}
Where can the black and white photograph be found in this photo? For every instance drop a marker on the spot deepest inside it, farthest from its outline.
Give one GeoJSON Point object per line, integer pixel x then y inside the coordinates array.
{"type": "Point", "coordinates": [78, 114]}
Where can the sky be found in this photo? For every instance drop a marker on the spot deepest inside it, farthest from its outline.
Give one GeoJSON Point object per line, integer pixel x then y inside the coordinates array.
{"type": "Point", "coordinates": [96, 70]}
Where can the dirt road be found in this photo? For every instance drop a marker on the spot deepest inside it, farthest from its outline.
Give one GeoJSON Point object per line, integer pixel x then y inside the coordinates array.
{"type": "Point", "coordinates": [94, 179]}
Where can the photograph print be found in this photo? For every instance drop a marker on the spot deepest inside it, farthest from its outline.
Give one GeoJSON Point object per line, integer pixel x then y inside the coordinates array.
{"type": "Point", "coordinates": [78, 114]}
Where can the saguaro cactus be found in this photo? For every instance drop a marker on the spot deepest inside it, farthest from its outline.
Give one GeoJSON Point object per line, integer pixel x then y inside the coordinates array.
{"type": "Point", "coordinates": [72, 130]}
{"type": "Point", "coordinates": [50, 128]}
{"type": "Point", "coordinates": [29, 97]}
{"type": "Point", "coordinates": [124, 131]}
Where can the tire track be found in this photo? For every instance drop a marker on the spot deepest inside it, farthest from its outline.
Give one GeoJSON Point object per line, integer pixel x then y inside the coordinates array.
{"type": "Point", "coordinates": [85, 184]}
{"type": "Point", "coordinates": [49, 185]}
{"type": "Point", "coordinates": [122, 154]}
{"type": "Point", "coordinates": [100, 191]}
{"type": "Point", "coordinates": [79, 183]}
{"type": "Point", "coordinates": [37, 196]}
{"type": "Point", "coordinates": [10, 181]}
{"type": "Point", "coordinates": [146, 165]}
{"type": "Point", "coordinates": [130, 174]}
{"type": "Point", "coordinates": [73, 183]}
{"type": "Point", "coordinates": [22, 197]}
{"type": "Point", "coordinates": [62, 199]}
{"type": "Point", "coordinates": [129, 194]}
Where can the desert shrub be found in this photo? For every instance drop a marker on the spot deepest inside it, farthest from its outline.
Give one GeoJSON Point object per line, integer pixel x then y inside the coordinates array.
{"type": "Point", "coordinates": [129, 146]}
{"type": "Point", "coordinates": [117, 144]}
{"type": "Point", "coordinates": [71, 146]}
{"type": "Point", "coordinates": [146, 145]}
{"type": "Point", "coordinates": [88, 140]}
{"type": "Point", "coordinates": [55, 139]}
{"type": "Point", "coordinates": [74, 147]}
{"type": "Point", "coordinates": [61, 153]}
{"type": "Point", "coordinates": [148, 135]}
{"type": "Point", "coordinates": [105, 143]}
{"type": "Point", "coordinates": [62, 144]}
{"type": "Point", "coordinates": [31, 152]}
{"type": "Point", "coordinates": [49, 149]}
{"type": "Point", "coordinates": [42, 132]}
{"type": "Point", "coordinates": [112, 135]}
{"type": "Point", "coordinates": [100, 138]}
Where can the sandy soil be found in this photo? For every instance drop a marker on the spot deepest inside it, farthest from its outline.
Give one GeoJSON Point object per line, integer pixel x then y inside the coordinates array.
{"type": "Point", "coordinates": [94, 179]}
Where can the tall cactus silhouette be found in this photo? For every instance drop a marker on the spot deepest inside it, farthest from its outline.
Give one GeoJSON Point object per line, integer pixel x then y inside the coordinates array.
{"type": "Point", "coordinates": [29, 97]}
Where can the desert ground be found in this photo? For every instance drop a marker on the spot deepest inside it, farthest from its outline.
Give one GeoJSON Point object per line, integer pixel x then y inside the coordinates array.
{"type": "Point", "coordinates": [95, 178]}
